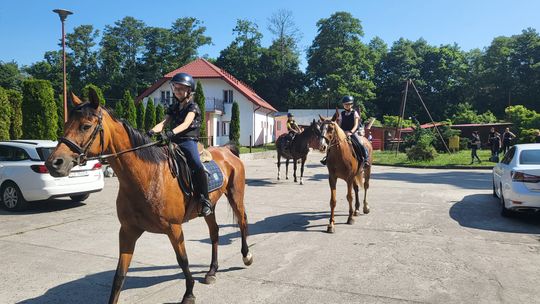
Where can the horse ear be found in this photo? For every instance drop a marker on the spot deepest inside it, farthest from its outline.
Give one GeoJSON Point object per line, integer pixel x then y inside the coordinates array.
{"type": "Point", "coordinates": [94, 98]}
{"type": "Point", "coordinates": [335, 117]}
{"type": "Point", "coordinates": [75, 100]}
{"type": "Point", "coordinates": [322, 118]}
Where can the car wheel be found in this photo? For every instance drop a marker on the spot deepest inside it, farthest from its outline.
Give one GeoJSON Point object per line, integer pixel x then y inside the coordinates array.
{"type": "Point", "coordinates": [504, 211]}
{"type": "Point", "coordinates": [79, 198]}
{"type": "Point", "coordinates": [12, 198]}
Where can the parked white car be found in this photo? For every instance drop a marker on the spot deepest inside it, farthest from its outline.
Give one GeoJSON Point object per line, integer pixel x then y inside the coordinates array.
{"type": "Point", "coordinates": [24, 177]}
{"type": "Point", "coordinates": [516, 179]}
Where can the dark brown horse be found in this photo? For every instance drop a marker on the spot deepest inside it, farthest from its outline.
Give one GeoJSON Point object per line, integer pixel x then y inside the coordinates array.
{"type": "Point", "coordinates": [341, 163]}
{"type": "Point", "coordinates": [298, 149]}
{"type": "Point", "coordinates": [149, 198]}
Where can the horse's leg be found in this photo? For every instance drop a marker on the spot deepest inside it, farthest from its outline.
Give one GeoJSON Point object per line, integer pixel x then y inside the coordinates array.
{"type": "Point", "coordinates": [278, 165]}
{"type": "Point", "coordinates": [302, 170]}
{"type": "Point", "coordinates": [295, 161]}
{"type": "Point", "coordinates": [176, 236]}
{"type": "Point", "coordinates": [356, 198]}
{"type": "Point", "coordinates": [236, 200]}
{"type": "Point", "coordinates": [332, 181]}
{"type": "Point", "coordinates": [350, 183]}
{"type": "Point", "coordinates": [367, 175]}
{"type": "Point", "coordinates": [286, 168]}
{"type": "Point", "coordinates": [128, 237]}
{"type": "Point", "coordinates": [213, 229]}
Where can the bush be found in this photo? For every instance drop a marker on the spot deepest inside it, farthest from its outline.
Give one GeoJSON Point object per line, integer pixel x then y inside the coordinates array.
{"type": "Point", "coordinates": [200, 100]}
{"type": "Point", "coordinates": [15, 99]}
{"type": "Point", "coordinates": [5, 114]}
{"type": "Point", "coordinates": [39, 110]}
{"type": "Point", "coordinates": [141, 114]}
{"type": "Point", "coordinates": [423, 149]}
{"type": "Point", "coordinates": [150, 115]}
{"type": "Point", "coordinates": [446, 133]}
{"type": "Point", "coordinates": [130, 112]}
{"type": "Point", "coordinates": [160, 113]}
{"type": "Point", "coordinates": [234, 134]}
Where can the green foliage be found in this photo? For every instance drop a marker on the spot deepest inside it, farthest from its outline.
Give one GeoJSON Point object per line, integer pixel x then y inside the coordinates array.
{"type": "Point", "coordinates": [150, 115]}
{"type": "Point", "coordinates": [160, 113]}
{"type": "Point", "coordinates": [5, 114]}
{"type": "Point", "coordinates": [446, 133]}
{"type": "Point", "coordinates": [392, 121]}
{"type": "Point", "coordinates": [200, 100]}
{"type": "Point", "coordinates": [130, 112]}
{"type": "Point", "coordinates": [525, 121]}
{"type": "Point", "coordinates": [465, 114]}
{"type": "Point", "coordinates": [60, 115]}
{"type": "Point", "coordinates": [39, 110]}
{"type": "Point", "coordinates": [141, 115]}
{"type": "Point", "coordinates": [83, 67]}
{"type": "Point", "coordinates": [234, 134]}
{"type": "Point", "coordinates": [423, 148]}
{"type": "Point", "coordinates": [15, 99]}
{"type": "Point", "coordinates": [85, 93]}
{"type": "Point", "coordinates": [119, 109]}
{"type": "Point", "coordinates": [50, 69]}
{"type": "Point", "coordinates": [10, 75]}
{"type": "Point", "coordinates": [528, 135]}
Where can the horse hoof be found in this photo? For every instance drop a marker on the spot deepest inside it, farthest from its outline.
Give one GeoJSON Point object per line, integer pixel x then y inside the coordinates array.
{"type": "Point", "coordinates": [356, 212]}
{"type": "Point", "coordinates": [301, 182]}
{"type": "Point", "coordinates": [286, 177]}
{"type": "Point", "coordinates": [188, 300]}
{"type": "Point", "coordinates": [210, 279]}
{"type": "Point", "coordinates": [295, 181]}
{"type": "Point", "coordinates": [350, 221]}
{"type": "Point", "coordinates": [366, 210]}
{"type": "Point", "coordinates": [330, 229]}
{"type": "Point", "coordinates": [248, 259]}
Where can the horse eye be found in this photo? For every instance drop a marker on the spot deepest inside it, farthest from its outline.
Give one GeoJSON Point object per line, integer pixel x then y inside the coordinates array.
{"type": "Point", "coordinates": [86, 127]}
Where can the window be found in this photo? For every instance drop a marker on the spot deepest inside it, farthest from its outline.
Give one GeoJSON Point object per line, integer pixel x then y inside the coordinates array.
{"type": "Point", "coordinates": [12, 154]}
{"type": "Point", "coordinates": [225, 128]}
{"type": "Point", "coordinates": [162, 96]}
{"type": "Point", "coordinates": [508, 156]}
{"type": "Point", "coordinates": [529, 157]}
{"type": "Point", "coordinates": [227, 96]}
{"type": "Point", "coordinates": [278, 126]}
{"type": "Point", "coordinates": [168, 94]}
{"type": "Point", "coordinates": [217, 129]}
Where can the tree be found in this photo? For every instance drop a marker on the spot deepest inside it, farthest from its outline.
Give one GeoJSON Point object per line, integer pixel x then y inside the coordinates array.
{"type": "Point", "coordinates": [10, 75]}
{"type": "Point", "coordinates": [130, 112]}
{"type": "Point", "coordinates": [39, 110]}
{"type": "Point", "coordinates": [119, 109]}
{"type": "Point", "coordinates": [15, 99]}
{"type": "Point", "coordinates": [5, 115]}
{"type": "Point", "coordinates": [150, 115]}
{"type": "Point", "coordinates": [200, 100]}
{"type": "Point", "coordinates": [525, 121]}
{"type": "Point", "coordinates": [141, 115]}
{"type": "Point", "coordinates": [84, 68]}
{"type": "Point", "coordinates": [86, 90]}
{"type": "Point", "coordinates": [338, 60]}
{"type": "Point", "coordinates": [241, 57]}
{"type": "Point", "coordinates": [50, 69]}
{"type": "Point", "coordinates": [187, 36]}
{"type": "Point", "coordinates": [160, 113]}
{"type": "Point", "coordinates": [234, 134]}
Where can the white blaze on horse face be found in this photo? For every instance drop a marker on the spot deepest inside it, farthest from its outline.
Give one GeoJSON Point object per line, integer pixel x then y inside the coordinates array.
{"type": "Point", "coordinates": [322, 140]}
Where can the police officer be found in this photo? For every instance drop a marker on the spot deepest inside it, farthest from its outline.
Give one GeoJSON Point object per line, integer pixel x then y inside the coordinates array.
{"type": "Point", "coordinates": [184, 118]}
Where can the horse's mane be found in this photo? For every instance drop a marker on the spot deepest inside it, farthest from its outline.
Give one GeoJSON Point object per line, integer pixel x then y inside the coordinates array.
{"type": "Point", "coordinates": [339, 132]}
{"type": "Point", "coordinates": [151, 154]}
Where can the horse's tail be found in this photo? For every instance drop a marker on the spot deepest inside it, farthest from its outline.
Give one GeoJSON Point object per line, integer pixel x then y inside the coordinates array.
{"type": "Point", "coordinates": [233, 148]}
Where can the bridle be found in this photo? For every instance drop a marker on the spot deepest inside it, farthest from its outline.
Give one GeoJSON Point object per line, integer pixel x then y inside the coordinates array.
{"type": "Point", "coordinates": [82, 151]}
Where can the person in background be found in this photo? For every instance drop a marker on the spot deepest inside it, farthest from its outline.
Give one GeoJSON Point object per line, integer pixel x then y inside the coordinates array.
{"type": "Point", "coordinates": [507, 138]}
{"type": "Point", "coordinates": [475, 145]}
{"type": "Point", "coordinates": [494, 141]}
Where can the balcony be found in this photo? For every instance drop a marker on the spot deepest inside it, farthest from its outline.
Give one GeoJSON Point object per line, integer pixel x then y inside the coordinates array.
{"type": "Point", "coordinates": [214, 105]}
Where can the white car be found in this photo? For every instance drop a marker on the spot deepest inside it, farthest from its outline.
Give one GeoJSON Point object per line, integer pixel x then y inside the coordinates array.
{"type": "Point", "coordinates": [516, 179]}
{"type": "Point", "coordinates": [24, 177]}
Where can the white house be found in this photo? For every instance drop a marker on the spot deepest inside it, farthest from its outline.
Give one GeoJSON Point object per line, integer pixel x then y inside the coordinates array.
{"type": "Point", "coordinates": [221, 89]}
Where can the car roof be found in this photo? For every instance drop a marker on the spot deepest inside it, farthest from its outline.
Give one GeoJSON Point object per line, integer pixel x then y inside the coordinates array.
{"type": "Point", "coordinates": [522, 147]}
{"type": "Point", "coordinates": [30, 143]}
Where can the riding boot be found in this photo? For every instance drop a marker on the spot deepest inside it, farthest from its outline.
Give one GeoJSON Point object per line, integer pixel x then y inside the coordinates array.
{"type": "Point", "coordinates": [201, 180]}
{"type": "Point", "coordinates": [366, 156]}
{"type": "Point", "coordinates": [323, 161]}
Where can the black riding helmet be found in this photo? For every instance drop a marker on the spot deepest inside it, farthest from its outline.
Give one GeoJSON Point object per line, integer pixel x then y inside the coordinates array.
{"type": "Point", "coordinates": [347, 99]}
{"type": "Point", "coordinates": [184, 79]}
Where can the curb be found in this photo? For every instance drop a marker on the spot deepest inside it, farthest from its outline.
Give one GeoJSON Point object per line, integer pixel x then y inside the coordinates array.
{"type": "Point", "coordinates": [436, 167]}
{"type": "Point", "coordinates": [258, 155]}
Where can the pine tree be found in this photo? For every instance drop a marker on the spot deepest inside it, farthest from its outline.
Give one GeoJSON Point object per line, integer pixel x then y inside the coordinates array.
{"type": "Point", "coordinates": [150, 115]}
{"type": "Point", "coordinates": [15, 99]}
{"type": "Point", "coordinates": [141, 115]}
{"type": "Point", "coordinates": [5, 114]}
{"type": "Point", "coordinates": [160, 113]}
{"type": "Point", "coordinates": [39, 110]}
{"type": "Point", "coordinates": [234, 134]}
{"type": "Point", "coordinates": [130, 112]}
{"type": "Point", "coordinates": [200, 100]}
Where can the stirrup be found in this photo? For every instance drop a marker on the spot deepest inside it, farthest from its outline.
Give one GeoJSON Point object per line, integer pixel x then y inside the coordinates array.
{"type": "Point", "coordinates": [323, 161]}
{"type": "Point", "coordinates": [206, 210]}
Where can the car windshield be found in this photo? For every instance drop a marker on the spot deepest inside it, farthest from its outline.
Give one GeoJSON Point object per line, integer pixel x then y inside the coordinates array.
{"type": "Point", "coordinates": [530, 157]}
{"type": "Point", "coordinates": [44, 152]}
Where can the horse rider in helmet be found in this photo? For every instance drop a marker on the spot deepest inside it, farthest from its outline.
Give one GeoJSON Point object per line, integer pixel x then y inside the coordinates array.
{"type": "Point", "coordinates": [184, 118]}
{"type": "Point", "coordinates": [292, 127]}
{"type": "Point", "coordinates": [349, 121]}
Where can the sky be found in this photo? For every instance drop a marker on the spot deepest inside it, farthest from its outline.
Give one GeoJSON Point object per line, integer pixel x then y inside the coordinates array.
{"type": "Point", "coordinates": [29, 28]}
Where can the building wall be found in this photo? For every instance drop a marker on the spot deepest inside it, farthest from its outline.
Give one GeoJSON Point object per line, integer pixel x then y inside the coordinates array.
{"type": "Point", "coordinates": [280, 125]}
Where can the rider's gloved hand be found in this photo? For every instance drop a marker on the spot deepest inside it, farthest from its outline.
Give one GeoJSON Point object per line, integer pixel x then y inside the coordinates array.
{"type": "Point", "coordinates": [150, 133]}
{"type": "Point", "coordinates": [166, 135]}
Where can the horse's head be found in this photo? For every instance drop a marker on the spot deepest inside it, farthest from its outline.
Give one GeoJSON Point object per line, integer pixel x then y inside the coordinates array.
{"type": "Point", "coordinates": [330, 130]}
{"type": "Point", "coordinates": [83, 136]}
{"type": "Point", "coordinates": [317, 140]}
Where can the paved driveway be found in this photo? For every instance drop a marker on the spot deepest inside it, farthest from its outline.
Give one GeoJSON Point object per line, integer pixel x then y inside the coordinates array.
{"type": "Point", "coordinates": [433, 236]}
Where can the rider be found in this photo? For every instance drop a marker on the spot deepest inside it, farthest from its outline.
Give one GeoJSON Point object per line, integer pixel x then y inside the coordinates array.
{"type": "Point", "coordinates": [349, 121]}
{"type": "Point", "coordinates": [184, 117]}
{"type": "Point", "coordinates": [292, 127]}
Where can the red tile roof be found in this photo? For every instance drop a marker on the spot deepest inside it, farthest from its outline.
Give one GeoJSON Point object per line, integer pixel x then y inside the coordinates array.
{"type": "Point", "coordinates": [202, 68]}
{"type": "Point", "coordinates": [424, 126]}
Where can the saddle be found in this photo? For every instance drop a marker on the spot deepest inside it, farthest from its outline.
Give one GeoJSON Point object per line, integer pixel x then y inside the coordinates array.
{"type": "Point", "coordinates": [357, 148]}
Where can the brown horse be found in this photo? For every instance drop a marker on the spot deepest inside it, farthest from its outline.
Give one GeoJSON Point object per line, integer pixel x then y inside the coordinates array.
{"type": "Point", "coordinates": [149, 198]}
{"type": "Point", "coordinates": [298, 149]}
{"type": "Point", "coordinates": [342, 164]}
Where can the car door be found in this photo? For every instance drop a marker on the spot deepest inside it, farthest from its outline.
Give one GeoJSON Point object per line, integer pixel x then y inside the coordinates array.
{"type": "Point", "coordinates": [505, 168]}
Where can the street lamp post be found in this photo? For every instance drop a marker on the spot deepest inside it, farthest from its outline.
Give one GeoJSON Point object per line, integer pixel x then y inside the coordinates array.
{"type": "Point", "coordinates": [62, 13]}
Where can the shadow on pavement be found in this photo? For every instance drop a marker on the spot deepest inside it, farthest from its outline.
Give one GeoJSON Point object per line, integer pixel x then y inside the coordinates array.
{"type": "Point", "coordinates": [462, 179]}
{"type": "Point", "coordinates": [95, 288]}
{"type": "Point", "coordinates": [45, 206]}
{"type": "Point", "coordinates": [482, 211]}
{"type": "Point", "coordinates": [259, 182]}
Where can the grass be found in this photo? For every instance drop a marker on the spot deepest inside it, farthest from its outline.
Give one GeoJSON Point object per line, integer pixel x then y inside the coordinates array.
{"type": "Point", "coordinates": [461, 159]}
{"type": "Point", "coordinates": [267, 147]}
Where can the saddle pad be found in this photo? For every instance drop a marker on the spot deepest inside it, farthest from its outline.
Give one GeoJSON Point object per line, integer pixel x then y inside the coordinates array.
{"type": "Point", "coordinates": [215, 176]}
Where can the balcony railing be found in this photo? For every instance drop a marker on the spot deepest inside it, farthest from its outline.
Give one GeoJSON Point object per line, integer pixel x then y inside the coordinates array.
{"type": "Point", "coordinates": [214, 104]}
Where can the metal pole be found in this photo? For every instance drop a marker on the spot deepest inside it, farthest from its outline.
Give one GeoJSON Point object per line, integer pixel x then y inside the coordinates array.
{"type": "Point", "coordinates": [64, 72]}
{"type": "Point", "coordinates": [401, 114]}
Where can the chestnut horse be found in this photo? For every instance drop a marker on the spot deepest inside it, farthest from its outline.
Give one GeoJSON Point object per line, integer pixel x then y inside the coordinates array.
{"type": "Point", "coordinates": [298, 149]}
{"type": "Point", "coordinates": [149, 198]}
{"type": "Point", "coordinates": [341, 163]}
